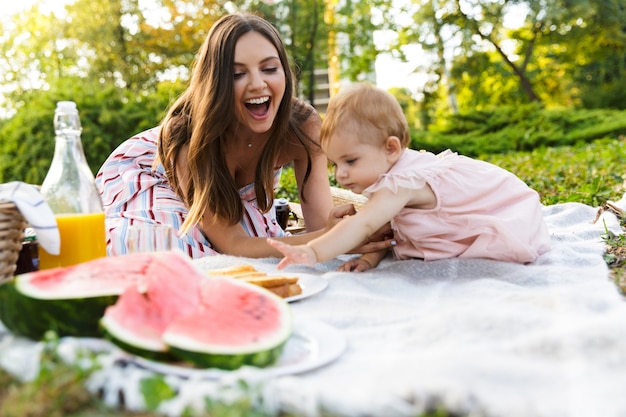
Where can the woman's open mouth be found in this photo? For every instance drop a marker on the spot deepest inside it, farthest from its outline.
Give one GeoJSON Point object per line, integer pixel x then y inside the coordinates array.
{"type": "Point", "coordinates": [258, 107]}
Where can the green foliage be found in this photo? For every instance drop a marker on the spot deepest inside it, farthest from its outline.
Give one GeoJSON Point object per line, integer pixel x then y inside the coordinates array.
{"type": "Point", "coordinates": [588, 173]}
{"type": "Point", "coordinates": [606, 95]}
{"type": "Point", "coordinates": [409, 106]}
{"type": "Point", "coordinates": [519, 128]}
{"type": "Point", "coordinates": [288, 187]}
{"type": "Point", "coordinates": [109, 115]}
{"type": "Point", "coordinates": [561, 54]}
{"type": "Point", "coordinates": [155, 390]}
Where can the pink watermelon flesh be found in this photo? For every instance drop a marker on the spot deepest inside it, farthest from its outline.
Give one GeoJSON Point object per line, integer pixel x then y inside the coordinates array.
{"type": "Point", "coordinates": [171, 290]}
{"type": "Point", "coordinates": [174, 286]}
{"type": "Point", "coordinates": [230, 315]}
{"type": "Point", "coordinates": [136, 311]}
{"type": "Point", "coordinates": [110, 275]}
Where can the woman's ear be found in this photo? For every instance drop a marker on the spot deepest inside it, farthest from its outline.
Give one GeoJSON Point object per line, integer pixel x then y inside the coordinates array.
{"type": "Point", "coordinates": [393, 146]}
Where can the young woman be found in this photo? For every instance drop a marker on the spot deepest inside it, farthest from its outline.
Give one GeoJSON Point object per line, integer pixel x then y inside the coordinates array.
{"type": "Point", "coordinates": [439, 206]}
{"type": "Point", "coordinates": [211, 167]}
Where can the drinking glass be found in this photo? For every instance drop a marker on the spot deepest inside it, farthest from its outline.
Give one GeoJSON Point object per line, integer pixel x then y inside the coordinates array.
{"type": "Point", "coordinates": [146, 237]}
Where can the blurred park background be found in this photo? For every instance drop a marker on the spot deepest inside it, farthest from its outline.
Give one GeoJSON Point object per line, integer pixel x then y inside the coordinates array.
{"type": "Point", "coordinates": [494, 77]}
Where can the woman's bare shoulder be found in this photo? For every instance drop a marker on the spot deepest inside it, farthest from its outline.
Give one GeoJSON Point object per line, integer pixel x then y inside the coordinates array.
{"type": "Point", "coordinates": [304, 132]}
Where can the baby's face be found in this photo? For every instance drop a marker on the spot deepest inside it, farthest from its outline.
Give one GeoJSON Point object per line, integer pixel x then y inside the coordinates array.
{"type": "Point", "coordinates": [357, 163]}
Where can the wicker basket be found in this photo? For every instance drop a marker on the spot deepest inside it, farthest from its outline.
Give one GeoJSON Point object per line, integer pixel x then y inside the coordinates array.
{"type": "Point", "coordinates": [342, 196]}
{"type": "Point", "coordinates": [12, 225]}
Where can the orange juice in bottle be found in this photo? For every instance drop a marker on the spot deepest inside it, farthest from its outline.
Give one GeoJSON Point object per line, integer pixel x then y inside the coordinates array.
{"type": "Point", "coordinates": [70, 190]}
{"type": "Point", "coordinates": [82, 239]}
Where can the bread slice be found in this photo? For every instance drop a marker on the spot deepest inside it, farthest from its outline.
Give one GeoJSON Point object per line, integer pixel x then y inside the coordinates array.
{"type": "Point", "coordinates": [286, 290]}
{"type": "Point", "coordinates": [269, 281]}
{"type": "Point", "coordinates": [234, 270]}
{"type": "Point", "coordinates": [283, 286]}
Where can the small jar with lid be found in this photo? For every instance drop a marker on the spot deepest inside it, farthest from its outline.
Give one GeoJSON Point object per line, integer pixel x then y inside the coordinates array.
{"type": "Point", "coordinates": [28, 259]}
{"type": "Point", "coordinates": [281, 207]}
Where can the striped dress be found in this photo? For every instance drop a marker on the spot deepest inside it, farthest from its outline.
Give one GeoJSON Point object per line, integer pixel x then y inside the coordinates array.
{"type": "Point", "coordinates": [132, 191]}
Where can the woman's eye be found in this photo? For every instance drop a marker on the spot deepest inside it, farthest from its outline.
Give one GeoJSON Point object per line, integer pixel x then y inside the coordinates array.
{"type": "Point", "coordinates": [238, 75]}
{"type": "Point", "coordinates": [351, 161]}
{"type": "Point", "coordinates": [273, 69]}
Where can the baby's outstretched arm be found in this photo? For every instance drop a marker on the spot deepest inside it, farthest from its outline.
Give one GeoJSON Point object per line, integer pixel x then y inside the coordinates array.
{"type": "Point", "coordinates": [300, 254]}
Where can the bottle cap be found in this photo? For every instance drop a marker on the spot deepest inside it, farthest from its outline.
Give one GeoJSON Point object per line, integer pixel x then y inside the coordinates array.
{"type": "Point", "coordinates": [66, 106]}
{"type": "Point", "coordinates": [30, 235]}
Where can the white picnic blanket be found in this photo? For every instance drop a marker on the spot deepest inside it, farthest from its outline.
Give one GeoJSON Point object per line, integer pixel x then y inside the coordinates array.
{"type": "Point", "coordinates": [476, 336]}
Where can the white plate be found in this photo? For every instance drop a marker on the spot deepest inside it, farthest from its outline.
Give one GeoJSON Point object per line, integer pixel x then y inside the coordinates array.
{"type": "Point", "coordinates": [312, 345]}
{"type": "Point", "coordinates": [311, 285]}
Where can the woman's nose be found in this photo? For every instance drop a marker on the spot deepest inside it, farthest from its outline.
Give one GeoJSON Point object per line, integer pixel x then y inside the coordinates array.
{"type": "Point", "coordinates": [257, 82]}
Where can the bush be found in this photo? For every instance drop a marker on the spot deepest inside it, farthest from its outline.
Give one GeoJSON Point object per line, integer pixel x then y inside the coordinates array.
{"type": "Point", "coordinates": [521, 128]}
{"type": "Point", "coordinates": [108, 117]}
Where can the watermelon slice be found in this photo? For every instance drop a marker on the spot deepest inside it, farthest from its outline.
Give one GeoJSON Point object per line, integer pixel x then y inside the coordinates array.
{"type": "Point", "coordinates": [138, 319]}
{"type": "Point", "coordinates": [236, 324]}
{"type": "Point", "coordinates": [72, 300]}
{"type": "Point", "coordinates": [206, 321]}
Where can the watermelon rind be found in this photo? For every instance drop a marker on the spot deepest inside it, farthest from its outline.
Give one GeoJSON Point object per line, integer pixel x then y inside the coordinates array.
{"type": "Point", "coordinates": [230, 361]}
{"type": "Point", "coordinates": [134, 344]}
{"type": "Point", "coordinates": [33, 317]}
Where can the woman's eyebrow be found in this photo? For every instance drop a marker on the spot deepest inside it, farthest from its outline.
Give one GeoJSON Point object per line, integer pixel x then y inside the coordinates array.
{"type": "Point", "coordinates": [263, 61]}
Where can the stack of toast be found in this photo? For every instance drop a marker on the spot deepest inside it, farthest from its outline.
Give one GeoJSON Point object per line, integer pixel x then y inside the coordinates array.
{"type": "Point", "coordinates": [282, 286]}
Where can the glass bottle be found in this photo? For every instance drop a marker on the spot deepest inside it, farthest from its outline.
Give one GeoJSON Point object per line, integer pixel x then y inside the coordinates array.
{"type": "Point", "coordinates": [70, 190]}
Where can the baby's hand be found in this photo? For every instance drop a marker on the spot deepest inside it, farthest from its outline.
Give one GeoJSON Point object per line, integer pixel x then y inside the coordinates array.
{"type": "Point", "coordinates": [355, 265]}
{"type": "Point", "coordinates": [301, 254]}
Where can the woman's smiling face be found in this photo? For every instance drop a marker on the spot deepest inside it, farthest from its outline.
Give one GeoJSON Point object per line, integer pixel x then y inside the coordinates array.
{"type": "Point", "coordinates": [259, 82]}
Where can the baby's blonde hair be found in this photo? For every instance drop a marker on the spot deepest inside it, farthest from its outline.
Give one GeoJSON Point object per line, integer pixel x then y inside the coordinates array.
{"type": "Point", "coordinates": [367, 112]}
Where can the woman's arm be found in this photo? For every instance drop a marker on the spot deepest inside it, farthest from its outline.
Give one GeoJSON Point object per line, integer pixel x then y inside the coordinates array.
{"type": "Point", "coordinates": [233, 240]}
{"type": "Point", "coordinates": [315, 198]}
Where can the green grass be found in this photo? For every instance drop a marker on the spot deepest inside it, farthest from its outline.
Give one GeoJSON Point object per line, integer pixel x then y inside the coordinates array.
{"type": "Point", "coordinates": [587, 173]}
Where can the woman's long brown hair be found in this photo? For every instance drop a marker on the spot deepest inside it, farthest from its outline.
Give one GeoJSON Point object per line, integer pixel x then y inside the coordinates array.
{"type": "Point", "coordinates": [203, 113]}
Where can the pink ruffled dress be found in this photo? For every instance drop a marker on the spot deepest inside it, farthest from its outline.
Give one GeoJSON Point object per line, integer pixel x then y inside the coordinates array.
{"type": "Point", "coordinates": [482, 211]}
